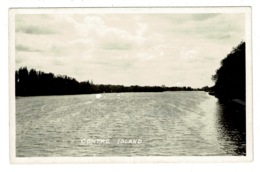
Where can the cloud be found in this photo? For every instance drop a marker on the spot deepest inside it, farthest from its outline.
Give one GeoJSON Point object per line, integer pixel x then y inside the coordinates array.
{"type": "Point", "coordinates": [219, 27]}
{"type": "Point", "coordinates": [203, 16]}
{"type": "Point", "coordinates": [116, 46]}
{"type": "Point", "coordinates": [129, 49]}
{"type": "Point", "coordinates": [24, 48]}
{"type": "Point", "coordinates": [219, 36]}
{"type": "Point", "coordinates": [34, 30]}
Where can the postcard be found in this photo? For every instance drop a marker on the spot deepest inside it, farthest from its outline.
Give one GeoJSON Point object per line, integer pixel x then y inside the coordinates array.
{"type": "Point", "coordinates": [91, 85]}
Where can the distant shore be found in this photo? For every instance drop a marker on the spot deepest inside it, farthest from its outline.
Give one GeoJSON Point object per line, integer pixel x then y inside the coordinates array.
{"type": "Point", "coordinates": [17, 97]}
{"type": "Point", "coordinates": [38, 83]}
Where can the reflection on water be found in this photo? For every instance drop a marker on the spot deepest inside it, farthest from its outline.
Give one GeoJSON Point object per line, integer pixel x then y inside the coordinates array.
{"type": "Point", "coordinates": [232, 121]}
{"type": "Point", "coordinates": [168, 124]}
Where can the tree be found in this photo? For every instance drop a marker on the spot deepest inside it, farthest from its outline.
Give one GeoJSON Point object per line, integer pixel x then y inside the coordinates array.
{"type": "Point", "coordinates": [230, 78]}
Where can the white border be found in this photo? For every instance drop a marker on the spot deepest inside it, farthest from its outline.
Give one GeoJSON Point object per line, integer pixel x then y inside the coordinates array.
{"type": "Point", "coordinates": [249, 128]}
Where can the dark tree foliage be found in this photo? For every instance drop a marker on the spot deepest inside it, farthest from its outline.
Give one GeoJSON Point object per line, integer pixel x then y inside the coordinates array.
{"type": "Point", "coordinates": [206, 88]}
{"type": "Point", "coordinates": [230, 78]}
{"type": "Point", "coordinates": [30, 83]}
{"type": "Point", "coordinates": [36, 83]}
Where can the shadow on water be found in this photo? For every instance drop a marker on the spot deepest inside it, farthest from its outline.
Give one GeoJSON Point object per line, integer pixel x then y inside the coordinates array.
{"type": "Point", "coordinates": [232, 122]}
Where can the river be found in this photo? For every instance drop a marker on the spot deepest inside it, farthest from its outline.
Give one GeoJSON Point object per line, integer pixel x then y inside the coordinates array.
{"type": "Point", "coordinates": [190, 123]}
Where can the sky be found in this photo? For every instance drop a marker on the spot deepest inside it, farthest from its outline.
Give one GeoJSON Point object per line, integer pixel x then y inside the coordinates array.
{"type": "Point", "coordinates": [128, 49]}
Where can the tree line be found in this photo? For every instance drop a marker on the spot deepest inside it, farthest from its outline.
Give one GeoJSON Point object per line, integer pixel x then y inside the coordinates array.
{"type": "Point", "coordinates": [37, 83]}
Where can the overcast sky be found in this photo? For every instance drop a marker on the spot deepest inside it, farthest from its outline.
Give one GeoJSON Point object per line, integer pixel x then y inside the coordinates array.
{"type": "Point", "coordinates": [128, 49]}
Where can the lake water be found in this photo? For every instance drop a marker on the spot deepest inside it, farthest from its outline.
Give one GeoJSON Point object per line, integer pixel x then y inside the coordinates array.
{"type": "Point", "coordinates": [156, 124]}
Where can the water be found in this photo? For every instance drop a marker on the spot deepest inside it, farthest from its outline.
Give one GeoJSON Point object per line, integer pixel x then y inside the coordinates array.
{"type": "Point", "coordinates": [166, 124]}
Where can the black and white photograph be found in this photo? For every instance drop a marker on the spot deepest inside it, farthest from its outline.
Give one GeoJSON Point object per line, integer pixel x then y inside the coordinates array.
{"type": "Point", "coordinates": [158, 84]}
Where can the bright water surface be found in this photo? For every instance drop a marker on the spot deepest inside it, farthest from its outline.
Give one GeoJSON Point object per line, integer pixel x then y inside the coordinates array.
{"type": "Point", "coordinates": [168, 123]}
